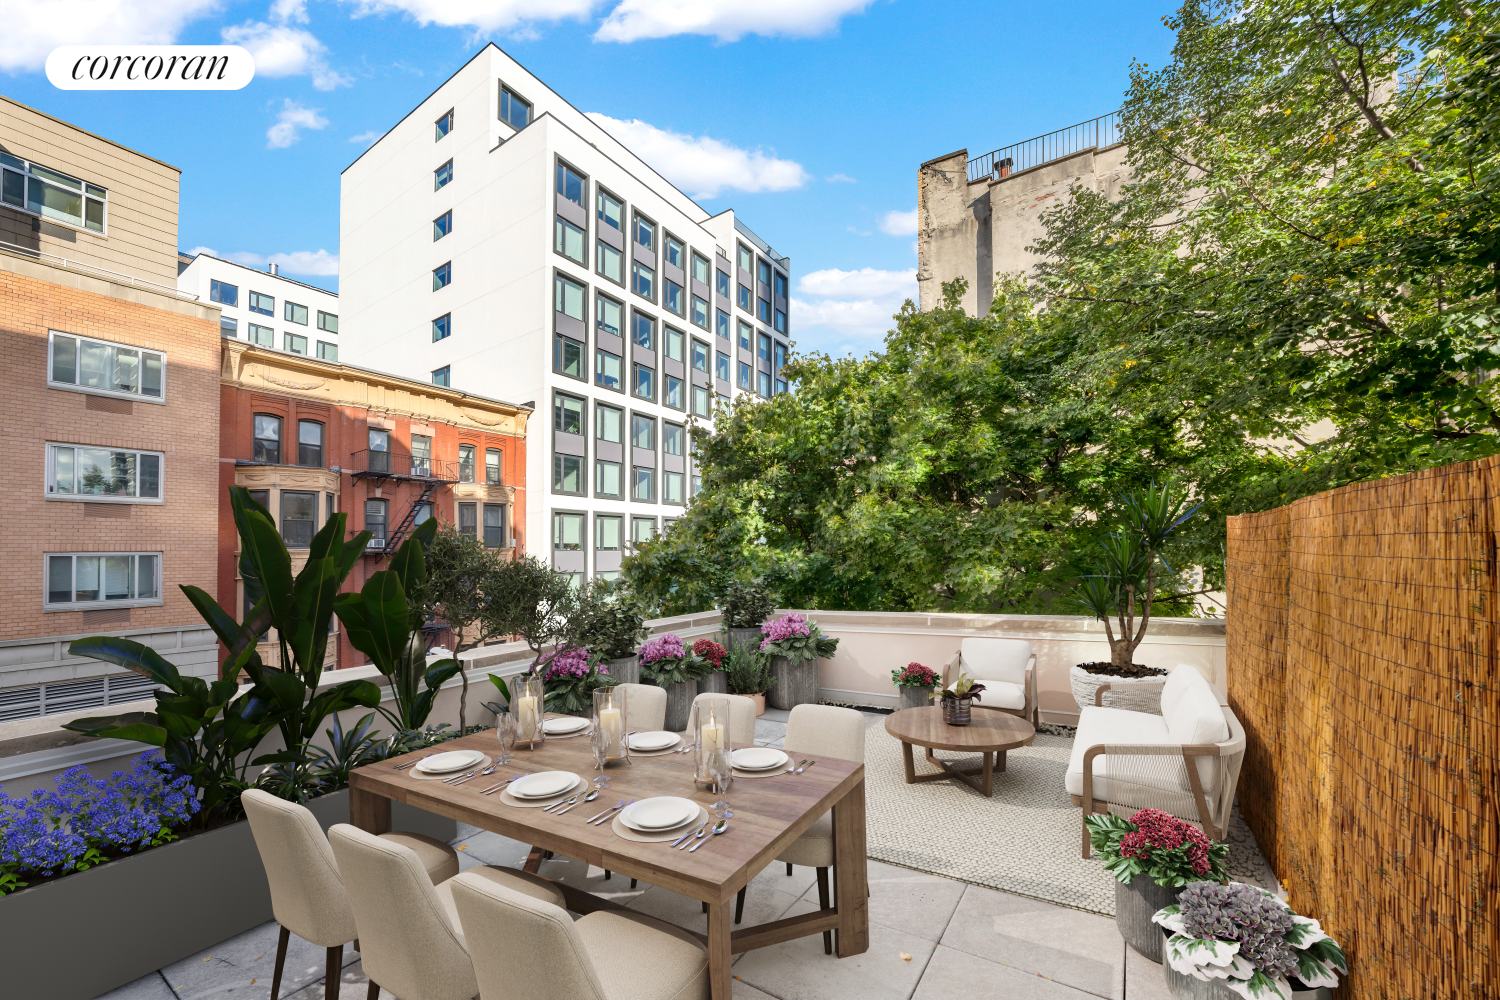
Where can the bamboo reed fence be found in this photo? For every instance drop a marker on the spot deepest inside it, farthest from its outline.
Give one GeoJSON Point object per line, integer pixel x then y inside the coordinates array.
{"type": "Point", "coordinates": [1362, 659]}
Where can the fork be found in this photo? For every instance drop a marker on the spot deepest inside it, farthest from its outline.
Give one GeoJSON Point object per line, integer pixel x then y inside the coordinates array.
{"type": "Point", "coordinates": [459, 777]}
{"type": "Point", "coordinates": [618, 805]}
{"type": "Point", "coordinates": [806, 766]}
{"type": "Point", "coordinates": [685, 749]}
{"type": "Point", "coordinates": [499, 785]}
{"type": "Point", "coordinates": [605, 814]}
{"type": "Point", "coordinates": [793, 768]}
{"type": "Point", "coordinates": [402, 767]}
{"type": "Point", "coordinates": [564, 802]}
{"type": "Point", "coordinates": [466, 777]}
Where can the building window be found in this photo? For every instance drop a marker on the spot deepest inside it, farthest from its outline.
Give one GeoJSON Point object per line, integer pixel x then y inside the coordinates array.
{"type": "Point", "coordinates": [673, 297]}
{"type": "Point", "coordinates": [744, 373]}
{"type": "Point", "coordinates": [700, 312]}
{"type": "Point", "coordinates": [763, 384]}
{"type": "Point", "coordinates": [568, 297]}
{"type": "Point", "coordinates": [442, 327]}
{"type": "Point", "coordinates": [299, 518]}
{"type": "Point", "coordinates": [76, 471]}
{"type": "Point", "coordinates": [607, 478]}
{"type": "Point", "coordinates": [444, 126]}
{"type": "Point", "coordinates": [779, 355]}
{"type": "Point", "coordinates": [442, 276]}
{"type": "Point", "coordinates": [330, 506]}
{"type": "Point", "coordinates": [643, 332]}
{"type": "Point", "coordinates": [327, 351]}
{"type": "Point", "coordinates": [780, 321]}
{"type": "Point", "coordinates": [466, 461]}
{"type": "Point", "coordinates": [608, 423]}
{"type": "Point", "coordinates": [723, 284]}
{"type": "Point", "coordinates": [295, 343]}
{"type": "Point", "coordinates": [492, 466]}
{"type": "Point", "coordinates": [671, 487]}
{"type": "Point", "coordinates": [267, 439]}
{"type": "Point", "coordinates": [375, 522]}
{"type": "Point", "coordinates": [515, 110]}
{"type": "Point", "coordinates": [643, 280]}
{"type": "Point", "coordinates": [443, 376]}
{"type": "Point", "coordinates": [672, 394]}
{"type": "Point", "coordinates": [671, 438]}
{"type": "Point", "coordinates": [700, 268]}
{"type": "Point", "coordinates": [645, 232]}
{"type": "Point", "coordinates": [328, 322]}
{"type": "Point", "coordinates": [567, 474]}
{"type": "Point", "coordinates": [494, 525]}
{"type": "Point", "coordinates": [608, 314]}
{"type": "Point", "coordinates": [701, 401]}
{"type": "Point", "coordinates": [645, 382]}
{"type": "Point", "coordinates": [567, 414]}
{"type": "Point", "coordinates": [721, 324]}
{"type": "Point", "coordinates": [745, 299]}
{"type": "Point", "coordinates": [721, 365]}
{"type": "Point", "coordinates": [421, 455]}
{"type": "Point", "coordinates": [696, 485]}
{"type": "Point", "coordinates": [90, 578]}
{"type": "Point", "coordinates": [746, 331]}
{"type": "Point", "coordinates": [229, 326]}
{"type": "Point", "coordinates": [442, 225]}
{"type": "Point", "coordinates": [310, 444]}
{"type": "Point", "coordinates": [674, 344]}
{"type": "Point", "coordinates": [609, 262]}
{"type": "Point", "coordinates": [567, 532]}
{"type": "Point", "coordinates": [41, 191]}
{"type": "Point", "coordinates": [746, 260]}
{"type": "Point", "coordinates": [263, 304]}
{"type": "Point", "coordinates": [763, 310]}
{"type": "Point", "coordinates": [424, 514]}
{"type": "Point", "coordinates": [570, 185]}
{"type": "Point", "coordinates": [379, 455]}
{"type": "Point", "coordinates": [568, 240]}
{"type": "Point", "coordinates": [642, 432]}
{"type": "Point", "coordinates": [700, 356]}
{"type": "Point", "coordinates": [608, 370]}
{"type": "Point", "coordinates": [763, 345]}
{"type": "Point", "coordinates": [781, 386]}
{"type": "Point", "coordinates": [642, 529]}
{"type": "Point", "coordinates": [99, 366]}
{"type": "Point", "coordinates": [642, 483]}
{"type": "Point", "coordinates": [442, 175]}
{"type": "Point", "coordinates": [611, 211]}
{"type": "Point", "coordinates": [261, 336]}
{"type": "Point", "coordinates": [675, 252]}
{"type": "Point", "coordinates": [567, 356]}
{"type": "Point", "coordinates": [763, 271]}
{"type": "Point", "coordinates": [223, 292]}
{"type": "Point", "coordinates": [294, 313]}
{"type": "Point", "coordinates": [607, 532]}
{"type": "Point", "coordinates": [780, 285]}
{"type": "Point", "coordinates": [468, 519]}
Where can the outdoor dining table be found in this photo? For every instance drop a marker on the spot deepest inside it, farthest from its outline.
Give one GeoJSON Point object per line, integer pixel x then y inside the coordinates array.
{"type": "Point", "coordinates": [769, 814]}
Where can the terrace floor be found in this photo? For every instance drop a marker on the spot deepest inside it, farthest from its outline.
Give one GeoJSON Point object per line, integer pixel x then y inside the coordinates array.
{"type": "Point", "coordinates": [931, 938]}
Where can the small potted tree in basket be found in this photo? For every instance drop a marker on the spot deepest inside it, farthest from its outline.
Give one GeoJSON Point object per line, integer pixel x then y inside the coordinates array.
{"type": "Point", "coordinates": [749, 674]}
{"type": "Point", "coordinates": [745, 606]}
{"type": "Point", "coordinates": [667, 664]}
{"type": "Point", "coordinates": [914, 683]}
{"type": "Point", "coordinates": [795, 645]}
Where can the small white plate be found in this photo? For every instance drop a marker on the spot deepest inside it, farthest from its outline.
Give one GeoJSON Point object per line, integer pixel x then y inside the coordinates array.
{"type": "Point", "coordinates": [453, 760]}
{"type": "Point", "coordinates": [544, 784]}
{"type": "Point", "coordinates": [653, 740]}
{"type": "Point", "coordinates": [561, 727]}
{"type": "Point", "coordinates": [661, 813]}
{"type": "Point", "coordinates": [759, 758]}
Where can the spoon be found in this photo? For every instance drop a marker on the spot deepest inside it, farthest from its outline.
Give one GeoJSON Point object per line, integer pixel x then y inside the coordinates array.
{"type": "Point", "coordinates": [565, 802]}
{"type": "Point", "coordinates": [806, 766]}
{"type": "Point", "coordinates": [591, 796]}
{"type": "Point", "coordinates": [793, 768]}
{"type": "Point", "coordinates": [719, 828]}
{"type": "Point", "coordinates": [699, 835]}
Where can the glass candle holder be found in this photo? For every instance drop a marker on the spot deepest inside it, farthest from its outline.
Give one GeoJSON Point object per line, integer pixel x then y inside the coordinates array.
{"type": "Point", "coordinates": [527, 710]}
{"type": "Point", "coordinates": [710, 727]}
{"type": "Point", "coordinates": [609, 725]}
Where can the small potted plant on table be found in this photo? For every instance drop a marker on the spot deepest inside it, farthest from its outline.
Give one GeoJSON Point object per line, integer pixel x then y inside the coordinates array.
{"type": "Point", "coordinates": [715, 680]}
{"type": "Point", "coordinates": [795, 645]}
{"type": "Point", "coordinates": [667, 664]}
{"type": "Point", "coordinates": [1237, 940]}
{"type": "Point", "coordinates": [914, 683]}
{"type": "Point", "coordinates": [1152, 856]}
{"type": "Point", "coordinates": [749, 674]}
{"type": "Point", "coordinates": [959, 699]}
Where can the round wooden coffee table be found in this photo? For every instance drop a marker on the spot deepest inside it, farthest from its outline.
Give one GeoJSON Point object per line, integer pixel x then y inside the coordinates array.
{"type": "Point", "coordinates": [990, 731]}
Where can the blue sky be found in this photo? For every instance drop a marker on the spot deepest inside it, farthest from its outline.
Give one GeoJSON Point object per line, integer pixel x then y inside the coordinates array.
{"type": "Point", "coordinates": [808, 117]}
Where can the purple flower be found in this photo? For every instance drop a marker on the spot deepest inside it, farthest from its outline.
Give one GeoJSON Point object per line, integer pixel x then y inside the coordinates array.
{"type": "Point", "coordinates": [567, 661]}
{"type": "Point", "coordinates": [664, 647]}
{"type": "Point", "coordinates": [786, 627]}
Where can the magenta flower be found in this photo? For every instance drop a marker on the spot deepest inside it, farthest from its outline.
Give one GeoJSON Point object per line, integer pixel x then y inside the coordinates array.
{"type": "Point", "coordinates": [664, 647]}
{"type": "Point", "coordinates": [567, 661]}
{"type": "Point", "coordinates": [785, 627]}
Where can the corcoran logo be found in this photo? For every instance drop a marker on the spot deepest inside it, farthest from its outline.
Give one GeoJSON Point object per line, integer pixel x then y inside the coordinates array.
{"type": "Point", "coordinates": [150, 67]}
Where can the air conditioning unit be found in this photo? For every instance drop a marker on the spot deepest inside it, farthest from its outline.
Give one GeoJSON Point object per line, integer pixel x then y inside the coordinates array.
{"type": "Point", "coordinates": [375, 543]}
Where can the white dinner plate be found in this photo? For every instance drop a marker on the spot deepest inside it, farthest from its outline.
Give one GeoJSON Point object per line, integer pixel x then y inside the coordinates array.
{"type": "Point", "coordinates": [544, 784]}
{"type": "Point", "coordinates": [453, 760]}
{"type": "Point", "coordinates": [661, 813]}
{"type": "Point", "coordinates": [653, 740]}
{"type": "Point", "coordinates": [758, 758]}
{"type": "Point", "coordinates": [561, 727]}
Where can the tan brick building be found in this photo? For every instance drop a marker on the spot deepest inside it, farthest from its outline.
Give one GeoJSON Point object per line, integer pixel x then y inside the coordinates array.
{"type": "Point", "coordinates": [113, 413]}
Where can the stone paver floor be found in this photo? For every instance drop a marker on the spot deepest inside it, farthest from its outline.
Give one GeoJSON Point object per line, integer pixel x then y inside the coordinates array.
{"type": "Point", "coordinates": [931, 938]}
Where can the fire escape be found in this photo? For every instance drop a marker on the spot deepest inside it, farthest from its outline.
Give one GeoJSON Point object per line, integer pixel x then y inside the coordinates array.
{"type": "Point", "coordinates": [425, 473]}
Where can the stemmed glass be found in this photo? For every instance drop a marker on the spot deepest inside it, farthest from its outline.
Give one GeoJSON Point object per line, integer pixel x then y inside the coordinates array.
{"type": "Point", "coordinates": [599, 743]}
{"type": "Point", "coordinates": [721, 769]}
{"type": "Point", "coordinates": [505, 729]}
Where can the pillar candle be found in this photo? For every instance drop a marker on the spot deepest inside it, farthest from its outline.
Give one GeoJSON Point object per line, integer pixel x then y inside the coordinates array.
{"type": "Point", "coordinates": [526, 718]}
{"type": "Point", "coordinates": [612, 726]}
{"type": "Point", "coordinates": [712, 736]}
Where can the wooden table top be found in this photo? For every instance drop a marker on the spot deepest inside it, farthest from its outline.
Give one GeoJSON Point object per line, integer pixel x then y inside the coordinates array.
{"type": "Point", "coordinates": [769, 813]}
{"type": "Point", "coordinates": [988, 729]}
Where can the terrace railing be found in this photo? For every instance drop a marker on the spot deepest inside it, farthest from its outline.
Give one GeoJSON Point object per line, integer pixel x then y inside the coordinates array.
{"type": "Point", "coordinates": [1007, 160]}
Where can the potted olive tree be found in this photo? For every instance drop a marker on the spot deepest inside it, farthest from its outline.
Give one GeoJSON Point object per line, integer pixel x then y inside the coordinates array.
{"type": "Point", "coordinates": [1122, 584]}
{"type": "Point", "coordinates": [745, 606]}
{"type": "Point", "coordinates": [609, 622]}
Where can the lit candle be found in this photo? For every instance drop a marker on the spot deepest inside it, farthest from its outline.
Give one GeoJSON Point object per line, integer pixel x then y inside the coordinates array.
{"type": "Point", "coordinates": [526, 718]}
{"type": "Point", "coordinates": [612, 726]}
{"type": "Point", "coordinates": [712, 736]}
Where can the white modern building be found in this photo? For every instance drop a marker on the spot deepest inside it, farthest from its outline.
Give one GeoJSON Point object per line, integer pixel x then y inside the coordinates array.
{"type": "Point", "coordinates": [501, 241]}
{"type": "Point", "coordinates": [264, 307]}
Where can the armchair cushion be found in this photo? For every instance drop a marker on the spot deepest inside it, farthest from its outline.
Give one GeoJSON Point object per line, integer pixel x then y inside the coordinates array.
{"type": "Point", "coordinates": [1000, 659]}
{"type": "Point", "coordinates": [1135, 782]}
{"type": "Point", "coordinates": [1001, 694]}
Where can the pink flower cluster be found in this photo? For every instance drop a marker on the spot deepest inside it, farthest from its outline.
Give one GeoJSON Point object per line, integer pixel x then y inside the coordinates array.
{"type": "Point", "coordinates": [711, 651]}
{"type": "Point", "coordinates": [916, 675]}
{"type": "Point", "coordinates": [569, 661]}
{"type": "Point", "coordinates": [785, 627]}
{"type": "Point", "coordinates": [1156, 830]}
{"type": "Point", "coordinates": [665, 647]}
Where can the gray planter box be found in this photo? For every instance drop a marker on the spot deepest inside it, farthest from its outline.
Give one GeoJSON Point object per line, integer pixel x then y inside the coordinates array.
{"type": "Point", "coordinates": [744, 637]}
{"type": "Point", "coordinates": [93, 931]}
{"type": "Point", "coordinates": [680, 705]}
{"type": "Point", "coordinates": [625, 669]}
{"type": "Point", "coordinates": [915, 697]}
{"type": "Point", "coordinates": [1135, 904]}
{"type": "Point", "coordinates": [716, 682]}
{"type": "Point", "coordinates": [794, 684]}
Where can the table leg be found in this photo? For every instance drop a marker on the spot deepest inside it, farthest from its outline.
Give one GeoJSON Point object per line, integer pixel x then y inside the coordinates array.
{"type": "Point", "coordinates": [720, 971]}
{"type": "Point", "coordinates": [368, 811]}
{"type": "Point", "coordinates": [989, 777]}
{"type": "Point", "coordinates": [911, 767]}
{"type": "Point", "coordinates": [850, 874]}
{"type": "Point", "coordinates": [999, 761]}
{"type": "Point", "coordinates": [533, 861]}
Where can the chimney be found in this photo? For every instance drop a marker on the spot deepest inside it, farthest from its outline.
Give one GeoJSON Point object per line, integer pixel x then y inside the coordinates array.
{"type": "Point", "coordinates": [273, 269]}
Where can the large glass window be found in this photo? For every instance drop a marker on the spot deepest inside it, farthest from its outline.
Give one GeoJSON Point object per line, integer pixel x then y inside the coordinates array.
{"type": "Point", "coordinates": [443, 376]}
{"type": "Point", "coordinates": [747, 332]}
{"type": "Point", "coordinates": [80, 471]}
{"type": "Point", "coordinates": [763, 347]}
{"type": "Point", "coordinates": [721, 324]}
{"type": "Point", "coordinates": [299, 518]}
{"type": "Point", "coordinates": [294, 343]}
{"type": "Point", "coordinates": [700, 312]}
{"type": "Point", "coordinates": [468, 519]}
{"type": "Point", "coordinates": [744, 376]}
{"type": "Point", "coordinates": [700, 356]}
{"type": "Point", "coordinates": [746, 260]}
{"type": "Point", "coordinates": [568, 297]}
{"type": "Point", "coordinates": [608, 482]}
{"type": "Point", "coordinates": [442, 327]}
{"type": "Point", "coordinates": [310, 444]}
{"type": "Point", "coordinates": [421, 455]}
{"type": "Point", "coordinates": [107, 368]}
{"type": "Point", "coordinates": [442, 225]}
{"type": "Point", "coordinates": [642, 432]}
{"type": "Point", "coordinates": [571, 185]}
{"type": "Point", "coordinates": [779, 355]}
{"type": "Point", "coordinates": [261, 336]}
{"type": "Point", "coordinates": [494, 525]}
{"type": "Point", "coordinates": [442, 277]}
{"type": "Point", "coordinates": [442, 175]}
{"type": "Point", "coordinates": [642, 529]}
{"type": "Point", "coordinates": [229, 326]}
{"type": "Point", "coordinates": [763, 384]}
{"type": "Point", "coordinates": [567, 474]}
{"type": "Point", "coordinates": [674, 340]}
{"type": "Point", "coordinates": [672, 297]}
{"type": "Point", "coordinates": [609, 370]}
{"type": "Point", "coordinates": [645, 382]}
{"type": "Point", "coordinates": [375, 522]}
{"type": "Point", "coordinates": [611, 211]}
{"type": "Point", "coordinates": [671, 438]}
{"type": "Point", "coordinates": [263, 304]}
{"type": "Point", "coordinates": [721, 365]}
{"type": "Point", "coordinates": [379, 455]}
{"type": "Point", "coordinates": [609, 262]}
{"type": "Point", "coordinates": [645, 232]}
{"type": "Point", "coordinates": [745, 299]}
{"type": "Point", "coordinates": [671, 487]}
{"type": "Point", "coordinates": [567, 532]}
{"type": "Point", "coordinates": [267, 439]}
{"type": "Point", "coordinates": [780, 321]}
{"type": "Point", "coordinates": [609, 423]}
{"type": "Point", "coordinates": [763, 271]}
{"type": "Point", "coordinates": [567, 414]}
{"type": "Point", "coordinates": [94, 577]}
{"type": "Point", "coordinates": [466, 456]}
{"type": "Point", "coordinates": [672, 392]}
{"type": "Point", "coordinates": [701, 402]}
{"type": "Point", "coordinates": [722, 277]}
{"type": "Point", "coordinates": [443, 127]}
{"type": "Point", "coordinates": [700, 268]}
{"type": "Point", "coordinates": [763, 310]}
{"type": "Point", "coordinates": [568, 240]}
{"type": "Point", "coordinates": [567, 356]}
{"type": "Point", "coordinates": [52, 195]}
{"type": "Point", "coordinates": [492, 465]}
{"type": "Point", "coordinates": [515, 110]}
{"type": "Point", "coordinates": [642, 483]}
{"type": "Point", "coordinates": [327, 351]}
{"type": "Point", "coordinates": [643, 280]}
{"type": "Point", "coordinates": [675, 252]}
{"type": "Point", "coordinates": [608, 533]}
{"type": "Point", "coordinates": [609, 315]}
{"type": "Point", "coordinates": [328, 322]}
{"type": "Point", "coordinates": [643, 332]}
{"type": "Point", "coordinates": [223, 292]}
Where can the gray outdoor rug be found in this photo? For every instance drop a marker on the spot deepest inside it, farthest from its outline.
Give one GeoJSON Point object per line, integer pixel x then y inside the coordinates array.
{"type": "Point", "coordinates": [1024, 840]}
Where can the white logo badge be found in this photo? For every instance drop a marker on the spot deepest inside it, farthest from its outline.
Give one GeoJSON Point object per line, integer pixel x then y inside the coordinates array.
{"type": "Point", "coordinates": [150, 67]}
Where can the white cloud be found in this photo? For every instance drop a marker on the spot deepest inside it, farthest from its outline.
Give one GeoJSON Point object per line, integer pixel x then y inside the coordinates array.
{"type": "Point", "coordinates": [283, 51]}
{"type": "Point", "coordinates": [840, 179]}
{"type": "Point", "coordinates": [849, 305]}
{"type": "Point", "coordinates": [725, 20]}
{"type": "Point", "coordinates": [296, 262]}
{"type": "Point", "coordinates": [289, 10]}
{"type": "Point", "coordinates": [366, 137]}
{"type": "Point", "coordinates": [481, 15]}
{"type": "Point", "coordinates": [899, 223]}
{"type": "Point", "coordinates": [293, 116]}
{"type": "Point", "coordinates": [32, 29]}
{"type": "Point", "coordinates": [702, 166]}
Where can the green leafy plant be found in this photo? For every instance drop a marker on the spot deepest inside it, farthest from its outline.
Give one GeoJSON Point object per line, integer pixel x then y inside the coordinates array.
{"type": "Point", "coordinates": [964, 687]}
{"type": "Point", "coordinates": [460, 583]}
{"type": "Point", "coordinates": [1172, 852]}
{"type": "Point", "coordinates": [746, 605]}
{"type": "Point", "coordinates": [530, 599]}
{"type": "Point", "coordinates": [570, 676]}
{"type": "Point", "coordinates": [347, 750]}
{"type": "Point", "coordinates": [605, 619]}
{"type": "Point", "coordinates": [665, 661]}
{"type": "Point", "coordinates": [747, 670]}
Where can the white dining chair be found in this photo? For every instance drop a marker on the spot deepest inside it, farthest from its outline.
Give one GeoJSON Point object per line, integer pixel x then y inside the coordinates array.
{"type": "Point", "coordinates": [645, 707]}
{"type": "Point", "coordinates": [741, 717]}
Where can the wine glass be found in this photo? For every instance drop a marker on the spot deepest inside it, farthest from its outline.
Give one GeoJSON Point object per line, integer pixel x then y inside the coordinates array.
{"type": "Point", "coordinates": [599, 743]}
{"type": "Point", "coordinates": [505, 729]}
{"type": "Point", "coordinates": [721, 769]}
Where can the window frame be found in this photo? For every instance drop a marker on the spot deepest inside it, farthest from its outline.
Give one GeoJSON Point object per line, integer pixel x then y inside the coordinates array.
{"type": "Point", "coordinates": [515, 96]}
{"type": "Point", "coordinates": [601, 193]}
{"type": "Point", "coordinates": [599, 355]}
{"type": "Point", "coordinates": [635, 371]}
{"type": "Point", "coordinates": [446, 319]}
{"type": "Point", "coordinates": [322, 443]}
{"type": "Point", "coordinates": [442, 175]}
{"type": "Point", "coordinates": [599, 491]}
{"type": "Point", "coordinates": [583, 179]}
{"type": "Point", "coordinates": [499, 479]}
{"type": "Point", "coordinates": [77, 605]}
{"type": "Point", "coordinates": [641, 519]}
{"type": "Point", "coordinates": [443, 271]}
{"type": "Point", "coordinates": [281, 518]}
{"type": "Point", "coordinates": [280, 438]}
{"type": "Point", "coordinates": [620, 540]}
{"type": "Point", "coordinates": [636, 267]}
{"type": "Point", "coordinates": [443, 126]}
{"type": "Point", "coordinates": [694, 349]}
{"type": "Point", "coordinates": [78, 340]}
{"type": "Point", "coordinates": [667, 284]}
{"type": "Point", "coordinates": [707, 410]}
{"type": "Point", "coordinates": [444, 373]}
{"type": "Point", "coordinates": [288, 345]}
{"type": "Point", "coordinates": [446, 219]}
{"type": "Point", "coordinates": [49, 483]}
{"type": "Point", "coordinates": [484, 525]}
{"type": "Point", "coordinates": [215, 293]}
{"type": "Point", "coordinates": [723, 286]}
{"type": "Point", "coordinates": [251, 296]}
{"type": "Point", "coordinates": [385, 521]}
{"type": "Point", "coordinates": [86, 192]}
{"type": "Point", "coordinates": [723, 326]}
{"type": "Point", "coordinates": [324, 317]}
{"type": "Point", "coordinates": [561, 343]}
{"type": "Point", "coordinates": [667, 478]}
{"type": "Point", "coordinates": [744, 259]}
{"type": "Point", "coordinates": [324, 355]}
{"type": "Point", "coordinates": [583, 531]}
{"type": "Point", "coordinates": [251, 331]}
{"type": "Point", "coordinates": [557, 410]}
{"type": "Point", "coordinates": [559, 228]}
{"type": "Point", "coordinates": [720, 356]}
{"type": "Point", "coordinates": [681, 435]}
{"type": "Point", "coordinates": [637, 218]}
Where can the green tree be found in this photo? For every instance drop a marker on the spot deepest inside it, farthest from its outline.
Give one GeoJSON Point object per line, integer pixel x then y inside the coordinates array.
{"type": "Point", "coordinates": [529, 599]}
{"type": "Point", "coordinates": [461, 575]}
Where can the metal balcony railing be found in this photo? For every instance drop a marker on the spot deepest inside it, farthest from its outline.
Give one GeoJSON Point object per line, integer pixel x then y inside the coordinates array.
{"type": "Point", "coordinates": [382, 464]}
{"type": "Point", "coordinates": [1007, 160]}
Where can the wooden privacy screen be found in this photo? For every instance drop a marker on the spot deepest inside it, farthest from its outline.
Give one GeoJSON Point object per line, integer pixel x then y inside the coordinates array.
{"type": "Point", "coordinates": [1362, 633]}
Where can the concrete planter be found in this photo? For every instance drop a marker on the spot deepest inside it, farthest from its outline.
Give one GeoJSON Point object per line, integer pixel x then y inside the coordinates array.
{"type": "Point", "coordinates": [914, 697]}
{"type": "Point", "coordinates": [716, 682]}
{"type": "Point", "coordinates": [1183, 987]}
{"type": "Point", "coordinates": [1135, 904]}
{"type": "Point", "coordinates": [794, 684]}
{"type": "Point", "coordinates": [625, 669]}
{"type": "Point", "coordinates": [760, 704]}
{"type": "Point", "coordinates": [744, 637]}
{"type": "Point", "coordinates": [1119, 695]}
{"type": "Point", "coordinates": [680, 705]}
{"type": "Point", "coordinates": [93, 931]}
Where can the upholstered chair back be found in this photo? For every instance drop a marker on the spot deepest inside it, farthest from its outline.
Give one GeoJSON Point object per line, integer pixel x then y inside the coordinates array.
{"type": "Point", "coordinates": [645, 707]}
{"type": "Point", "coordinates": [524, 948]}
{"type": "Point", "coordinates": [741, 717]}
{"type": "Point", "coordinates": [825, 729]}
{"type": "Point", "coordinates": [995, 659]}
{"type": "Point", "coordinates": [307, 894]}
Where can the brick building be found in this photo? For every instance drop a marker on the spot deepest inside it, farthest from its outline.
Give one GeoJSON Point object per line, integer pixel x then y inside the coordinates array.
{"type": "Point", "coordinates": [311, 438]}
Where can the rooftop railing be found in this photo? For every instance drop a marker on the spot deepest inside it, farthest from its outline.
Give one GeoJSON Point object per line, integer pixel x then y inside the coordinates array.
{"type": "Point", "coordinates": [76, 265]}
{"type": "Point", "coordinates": [1007, 160]}
{"type": "Point", "coordinates": [379, 464]}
